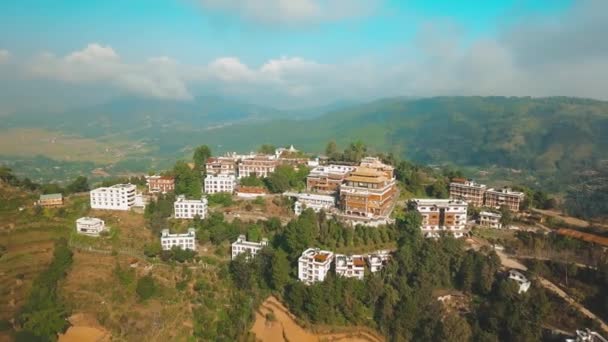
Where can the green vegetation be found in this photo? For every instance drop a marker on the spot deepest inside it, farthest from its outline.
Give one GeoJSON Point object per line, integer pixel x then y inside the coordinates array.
{"type": "Point", "coordinates": [145, 287]}
{"type": "Point", "coordinates": [286, 177]}
{"type": "Point", "coordinates": [44, 314]}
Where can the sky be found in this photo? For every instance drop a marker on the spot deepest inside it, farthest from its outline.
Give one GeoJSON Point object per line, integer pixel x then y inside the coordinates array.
{"type": "Point", "coordinates": [298, 53]}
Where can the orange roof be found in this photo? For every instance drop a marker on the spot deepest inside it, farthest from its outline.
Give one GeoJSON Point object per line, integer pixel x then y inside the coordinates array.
{"type": "Point", "coordinates": [584, 236]}
{"type": "Point", "coordinates": [459, 180]}
{"type": "Point", "coordinates": [251, 190]}
{"type": "Point", "coordinates": [358, 262]}
{"type": "Point", "coordinates": [321, 257]}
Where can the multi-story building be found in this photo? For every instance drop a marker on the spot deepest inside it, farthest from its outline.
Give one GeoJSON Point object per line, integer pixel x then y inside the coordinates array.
{"type": "Point", "coordinates": [260, 166]}
{"type": "Point", "coordinates": [241, 245]}
{"type": "Point", "coordinates": [314, 201]}
{"type": "Point", "coordinates": [468, 191]}
{"type": "Point", "coordinates": [221, 165]}
{"type": "Point", "coordinates": [350, 266]}
{"type": "Point", "coordinates": [313, 265]}
{"type": "Point", "coordinates": [521, 280]}
{"type": "Point", "coordinates": [220, 182]}
{"type": "Point", "coordinates": [490, 219]}
{"type": "Point", "coordinates": [504, 197]}
{"type": "Point", "coordinates": [162, 184]}
{"type": "Point", "coordinates": [378, 260]}
{"type": "Point", "coordinates": [188, 209]}
{"type": "Point", "coordinates": [90, 226]}
{"type": "Point", "coordinates": [50, 200]}
{"type": "Point", "coordinates": [115, 197]}
{"type": "Point", "coordinates": [184, 240]}
{"type": "Point", "coordinates": [327, 178]}
{"type": "Point", "coordinates": [442, 215]}
{"type": "Point", "coordinates": [376, 164]}
{"type": "Point", "coordinates": [368, 193]}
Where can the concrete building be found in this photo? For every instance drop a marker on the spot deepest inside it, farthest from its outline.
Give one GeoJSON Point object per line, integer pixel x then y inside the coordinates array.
{"type": "Point", "coordinates": [328, 178]}
{"type": "Point", "coordinates": [314, 201]}
{"type": "Point", "coordinates": [188, 209]}
{"type": "Point", "coordinates": [442, 215]}
{"type": "Point", "coordinates": [115, 197]}
{"type": "Point", "coordinates": [521, 280]}
{"type": "Point", "coordinates": [50, 200]}
{"type": "Point", "coordinates": [468, 191]}
{"type": "Point", "coordinates": [260, 166]}
{"type": "Point", "coordinates": [241, 245]}
{"type": "Point", "coordinates": [162, 184]}
{"type": "Point", "coordinates": [490, 220]}
{"type": "Point", "coordinates": [220, 182]}
{"type": "Point", "coordinates": [350, 266]}
{"type": "Point", "coordinates": [250, 192]}
{"type": "Point", "coordinates": [378, 260]}
{"type": "Point", "coordinates": [587, 335]}
{"type": "Point", "coordinates": [504, 197]}
{"type": "Point", "coordinates": [184, 240]}
{"type": "Point", "coordinates": [90, 226]}
{"type": "Point", "coordinates": [368, 193]}
{"type": "Point", "coordinates": [376, 164]}
{"type": "Point", "coordinates": [221, 166]}
{"type": "Point", "coordinates": [313, 265]}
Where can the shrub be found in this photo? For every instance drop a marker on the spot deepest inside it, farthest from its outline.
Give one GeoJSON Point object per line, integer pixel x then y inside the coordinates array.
{"type": "Point", "coordinates": [145, 287]}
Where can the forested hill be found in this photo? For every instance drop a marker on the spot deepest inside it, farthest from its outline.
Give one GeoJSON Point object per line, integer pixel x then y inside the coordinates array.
{"type": "Point", "coordinates": [540, 134]}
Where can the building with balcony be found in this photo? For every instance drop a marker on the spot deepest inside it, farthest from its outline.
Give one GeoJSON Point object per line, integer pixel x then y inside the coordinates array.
{"type": "Point", "coordinates": [188, 209]}
{"type": "Point", "coordinates": [378, 260]}
{"type": "Point", "coordinates": [468, 191]}
{"type": "Point", "coordinates": [376, 164]}
{"type": "Point", "coordinates": [182, 240]}
{"type": "Point", "coordinates": [504, 197]}
{"type": "Point", "coordinates": [221, 166]}
{"type": "Point", "coordinates": [115, 197]}
{"type": "Point", "coordinates": [442, 216]}
{"type": "Point", "coordinates": [367, 193]}
{"type": "Point", "coordinates": [241, 245]}
{"type": "Point", "coordinates": [260, 166]}
{"type": "Point", "coordinates": [221, 182]}
{"type": "Point", "coordinates": [50, 200]}
{"type": "Point", "coordinates": [162, 184]}
{"type": "Point", "coordinates": [327, 178]}
{"type": "Point", "coordinates": [490, 219]}
{"type": "Point", "coordinates": [350, 266]}
{"type": "Point", "coordinates": [314, 201]}
{"type": "Point", "coordinates": [314, 265]}
{"type": "Point", "coordinates": [90, 226]}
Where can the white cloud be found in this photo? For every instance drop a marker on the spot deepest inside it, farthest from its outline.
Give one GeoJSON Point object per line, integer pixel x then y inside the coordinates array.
{"type": "Point", "coordinates": [292, 11]}
{"type": "Point", "coordinates": [4, 56]}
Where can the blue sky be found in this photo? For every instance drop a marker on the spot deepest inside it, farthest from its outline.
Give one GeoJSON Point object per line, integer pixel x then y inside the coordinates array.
{"type": "Point", "coordinates": [291, 53]}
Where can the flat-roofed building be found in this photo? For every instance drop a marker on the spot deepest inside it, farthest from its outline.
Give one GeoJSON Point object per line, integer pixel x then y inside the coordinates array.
{"type": "Point", "coordinates": [378, 260]}
{"type": "Point", "coordinates": [521, 280]}
{"type": "Point", "coordinates": [314, 201]}
{"type": "Point", "coordinates": [442, 216]}
{"type": "Point", "coordinates": [468, 191]}
{"type": "Point", "coordinates": [182, 240]}
{"type": "Point", "coordinates": [115, 197]}
{"type": "Point", "coordinates": [376, 164]}
{"type": "Point", "coordinates": [188, 209]}
{"type": "Point", "coordinates": [350, 266]}
{"type": "Point", "coordinates": [241, 245]}
{"type": "Point", "coordinates": [221, 182]}
{"type": "Point", "coordinates": [327, 178]}
{"type": "Point", "coordinates": [162, 184]}
{"type": "Point", "coordinates": [314, 265]}
{"type": "Point", "coordinates": [490, 219]}
{"type": "Point", "coordinates": [367, 193]}
{"type": "Point", "coordinates": [221, 166]}
{"type": "Point", "coordinates": [50, 200]}
{"type": "Point", "coordinates": [90, 226]}
{"type": "Point", "coordinates": [504, 197]}
{"type": "Point", "coordinates": [260, 166]}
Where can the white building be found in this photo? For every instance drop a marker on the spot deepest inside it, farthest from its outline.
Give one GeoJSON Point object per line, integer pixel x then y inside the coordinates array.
{"type": "Point", "coordinates": [184, 241]}
{"type": "Point", "coordinates": [521, 280]}
{"type": "Point", "coordinates": [442, 215]}
{"type": "Point", "coordinates": [188, 209]}
{"type": "Point", "coordinates": [90, 226]}
{"type": "Point", "coordinates": [313, 201]}
{"type": "Point", "coordinates": [350, 266]}
{"type": "Point", "coordinates": [313, 265]}
{"type": "Point", "coordinates": [241, 245]}
{"type": "Point", "coordinates": [587, 335]}
{"type": "Point", "coordinates": [279, 151]}
{"type": "Point", "coordinates": [215, 183]}
{"type": "Point", "coordinates": [490, 220]}
{"type": "Point", "coordinates": [327, 178]}
{"type": "Point", "coordinates": [115, 197]}
{"type": "Point", "coordinates": [378, 260]}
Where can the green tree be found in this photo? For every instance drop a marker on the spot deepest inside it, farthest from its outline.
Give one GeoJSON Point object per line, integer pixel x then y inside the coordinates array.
{"type": "Point", "coordinates": [266, 149]}
{"type": "Point", "coordinates": [506, 218]}
{"type": "Point", "coordinates": [80, 184]}
{"type": "Point", "coordinates": [187, 181]}
{"type": "Point", "coordinates": [146, 287]}
{"type": "Point", "coordinates": [355, 151]}
{"type": "Point", "coordinates": [331, 150]}
{"type": "Point", "coordinates": [455, 329]}
{"type": "Point", "coordinates": [280, 270]}
{"type": "Point", "coordinates": [201, 154]}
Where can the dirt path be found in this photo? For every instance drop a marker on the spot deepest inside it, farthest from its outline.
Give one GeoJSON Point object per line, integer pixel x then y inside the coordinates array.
{"type": "Point", "coordinates": [85, 328]}
{"type": "Point", "coordinates": [285, 328]}
{"type": "Point", "coordinates": [568, 219]}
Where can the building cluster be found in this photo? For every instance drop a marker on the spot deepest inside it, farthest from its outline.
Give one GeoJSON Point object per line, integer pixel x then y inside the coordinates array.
{"type": "Point", "coordinates": [90, 226]}
{"type": "Point", "coordinates": [315, 264]}
{"type": "Point", "coordinates": [478, 195]}
{"type": "Point", "coordinates": [185, 241]}
{"type": "Point", "coordinates": [442, 216]}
